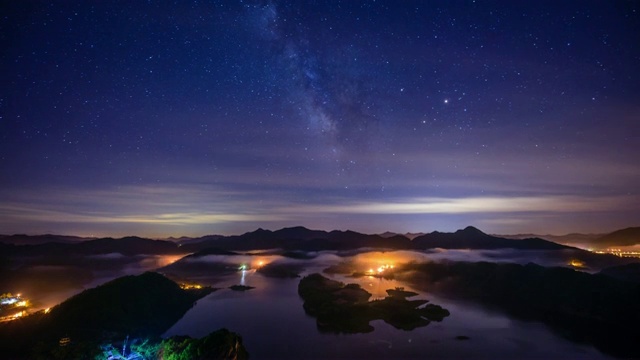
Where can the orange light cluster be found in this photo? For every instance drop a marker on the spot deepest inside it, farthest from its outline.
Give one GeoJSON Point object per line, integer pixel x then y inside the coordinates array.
{"type": "Point", "coordinates": [190, 286]}
{"type": "Point", "coordinates": [576, 263]}
{"type": "Point", "coordinates": [617, 252]}
{"type": "Point", "coordinates": [380, 269]}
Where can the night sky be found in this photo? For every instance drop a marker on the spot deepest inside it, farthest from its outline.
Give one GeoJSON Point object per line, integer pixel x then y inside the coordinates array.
{"type": "Point", "coordinates": [156, 118]}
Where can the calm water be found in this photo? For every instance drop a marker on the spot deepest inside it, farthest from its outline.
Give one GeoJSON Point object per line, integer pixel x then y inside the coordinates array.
{"type": "Point", "coordinates": [273, 323]}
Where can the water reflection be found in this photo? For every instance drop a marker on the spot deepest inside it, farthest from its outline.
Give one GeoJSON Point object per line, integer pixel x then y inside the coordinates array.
{"type": "Point", "coordinates": [273, 323]}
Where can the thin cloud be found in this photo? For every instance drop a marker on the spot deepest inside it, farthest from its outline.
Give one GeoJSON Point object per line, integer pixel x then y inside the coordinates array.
{"type": "Point", "coordinates": [477, 205]}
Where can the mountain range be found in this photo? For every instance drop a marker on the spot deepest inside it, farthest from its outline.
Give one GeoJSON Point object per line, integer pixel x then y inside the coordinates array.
{"type": "Point", "coordinates": [292, 238]}
{"type": "Point", "coordinates": [619, 238]}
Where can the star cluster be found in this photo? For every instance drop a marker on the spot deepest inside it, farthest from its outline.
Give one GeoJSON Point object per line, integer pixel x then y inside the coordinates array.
{"type": "Point", "coordinates": [187, 118]}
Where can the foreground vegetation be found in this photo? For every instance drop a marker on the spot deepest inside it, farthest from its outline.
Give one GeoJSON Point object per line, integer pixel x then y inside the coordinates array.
{"type": "Point", "coordinates": [139, 308]}
{"type": "Point", "coordinates": [220, 344]}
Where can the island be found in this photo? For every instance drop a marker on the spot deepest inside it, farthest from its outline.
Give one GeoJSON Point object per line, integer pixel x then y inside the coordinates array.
{"type": "Point", "coordinates": [340, 308]}
{"type": "Point", "coordinates": [283, 270]}
{"type": "Point", "coordinates": [241, 287]}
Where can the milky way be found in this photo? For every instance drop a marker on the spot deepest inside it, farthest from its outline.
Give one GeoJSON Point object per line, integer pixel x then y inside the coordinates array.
{"type": "Point", "coordinates": [162, 119]}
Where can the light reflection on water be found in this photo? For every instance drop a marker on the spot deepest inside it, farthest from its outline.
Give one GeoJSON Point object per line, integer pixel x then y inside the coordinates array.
{"type": "Point", "coordinates": [273, 324]}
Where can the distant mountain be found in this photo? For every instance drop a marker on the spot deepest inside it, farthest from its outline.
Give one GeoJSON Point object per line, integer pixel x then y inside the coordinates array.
{"type": "Point", "coordinates": [472, 238]}
{"type": "Point", "coordinates": [568, 239]}
{"type": "Point", "coordinates": [412, 236]}
{"type": "Point", "coordinates": [625, 237]}
{"type": "Point", "coordinates": [210, 251]}
{"type": "Point", "coordinates": [299, 238]}
{"type": "Point", "coordinates": [187, 240]}
{"type": "Point", "coordinates": [408, 235]}
{"type": "Point", "coordinates": [20, 239]}
{"type": "Point", "coordinates": [299, 232]}
{"type": "Point", "coordinates": [388, 234]}
{"type": "Point", "coordinates": [292, 238]}
{"type": "Point", "coordinates": [131, 245]}
{"type": "Point", "coordinates": [127, 246]}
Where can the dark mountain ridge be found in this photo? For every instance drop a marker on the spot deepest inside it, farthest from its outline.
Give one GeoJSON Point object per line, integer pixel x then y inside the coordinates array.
{"type": "Point", "coordinates": [292, 238]}
{"type": "Point", "coordinates": [472, 238]}
{"type": "Point", "coordinates": [624, 237]}
{"type": "Point", "coordinates": [22, 239]}
{"type": "Point", "coordinates": [300, 238]}
{"type": "Point", "coordinates": [131, 245]}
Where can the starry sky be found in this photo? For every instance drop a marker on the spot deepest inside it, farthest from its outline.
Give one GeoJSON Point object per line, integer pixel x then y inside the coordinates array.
{"type": "Point", "coordinates": [160, 118]}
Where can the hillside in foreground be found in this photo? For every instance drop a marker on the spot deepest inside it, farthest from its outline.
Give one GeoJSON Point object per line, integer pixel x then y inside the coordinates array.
{"type": "Point", "coordinates": [139, 308]}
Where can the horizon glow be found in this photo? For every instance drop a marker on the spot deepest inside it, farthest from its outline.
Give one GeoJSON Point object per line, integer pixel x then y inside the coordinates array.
{"type": "Point", "coordinates": [220, 118]}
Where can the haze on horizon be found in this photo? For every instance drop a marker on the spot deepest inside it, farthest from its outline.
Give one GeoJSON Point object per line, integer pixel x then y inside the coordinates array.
{"type": "Point", "coordinates": [158, 119]}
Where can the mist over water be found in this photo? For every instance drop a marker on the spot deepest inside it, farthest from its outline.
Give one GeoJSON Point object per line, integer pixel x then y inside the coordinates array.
{"type": "Point", "coordinates": [273, 323]}
{"type": "Point", "coordinates": [55, 280]}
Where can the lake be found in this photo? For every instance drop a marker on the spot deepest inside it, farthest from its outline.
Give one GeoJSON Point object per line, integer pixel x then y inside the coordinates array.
{"type": "Point", "coordinates": [273, 324]}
